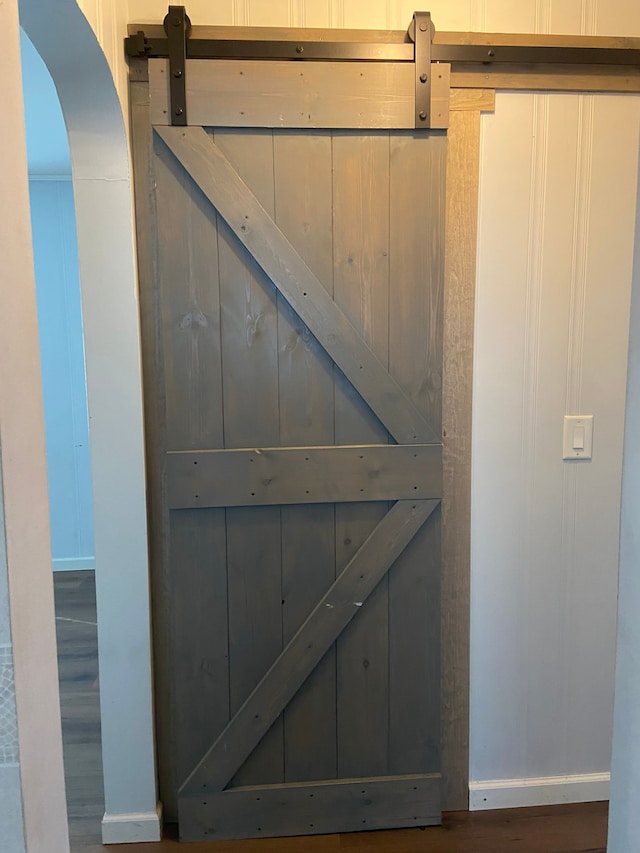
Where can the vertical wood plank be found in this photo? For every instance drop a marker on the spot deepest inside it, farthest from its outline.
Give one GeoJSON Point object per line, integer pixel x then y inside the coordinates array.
{"type": "Point", "coordinates": [303, 211]}
{"type": "Point", "coordinates": [308, 570]}
{"type": "Point", "coordinates": [251, 419]}
{"type": "Point", "coordinates": [152, 365]}
{"type": "Point", "coordinates": [255, 625]}
{"type": "Point", "coordinates": [416, 216]}
{"type": "Point", "coordinates": [463, 165]}
{"type": "Point", "coordinates": [417, 196]}
{"type": "Point", "coordinates": [200, 659]}
{"type": "Point", "coordinates": [363, 659]}
{"type": "Point", "coordinates": [248, 307]}
{"type": "Point", "coordinates": [361, 284]}
{"type": "Point", "coordinates": [361, 265]}
{"type": "Point", "coordinates": [190, 298]}
{"type": "Point", "coordinates": [414, 653]}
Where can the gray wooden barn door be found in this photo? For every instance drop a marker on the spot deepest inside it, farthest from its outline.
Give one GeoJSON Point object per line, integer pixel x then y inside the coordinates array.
{"type": "Point", "coordinates": [298, 318]}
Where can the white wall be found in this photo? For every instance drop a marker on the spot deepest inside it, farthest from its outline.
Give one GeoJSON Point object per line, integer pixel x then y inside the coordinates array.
{"type": "Point", "coordinates": [47, 143]}
{"type": "Point", "coordinates": [55, 251]}
{"type": "Point", "coordinates": [557, 204]}
{"type": "Point", "coordinates": [25, 555]}
{"type": "Point", "coordinates": [558, 195]}
{"type": "Point", "coordinates": [557, 188]}
{"type": "Point", "coordinates": [624, 816]}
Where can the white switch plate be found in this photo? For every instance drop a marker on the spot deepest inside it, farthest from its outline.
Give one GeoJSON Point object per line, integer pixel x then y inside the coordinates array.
{"type": "Point", "coordinates": [577, 437]}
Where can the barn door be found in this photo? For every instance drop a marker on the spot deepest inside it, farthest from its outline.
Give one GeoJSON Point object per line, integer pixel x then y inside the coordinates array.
{"type": "Point", "coordinates": [298, 322]}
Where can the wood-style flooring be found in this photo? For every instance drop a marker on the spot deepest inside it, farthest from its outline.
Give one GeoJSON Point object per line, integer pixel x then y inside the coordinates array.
{"type": "Point", "coordinates": [555, 829]}
{"type": "Point", "coordinates": [77, 635]}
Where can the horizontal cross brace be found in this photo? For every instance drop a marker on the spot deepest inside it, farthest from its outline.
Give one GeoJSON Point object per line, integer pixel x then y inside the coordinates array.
{"type": "Point", "coordinates": [308, 808]}
{"type": "Point", "coordinates": [303, 475]}
{"type": "Point", "coordinates": [336, 95]}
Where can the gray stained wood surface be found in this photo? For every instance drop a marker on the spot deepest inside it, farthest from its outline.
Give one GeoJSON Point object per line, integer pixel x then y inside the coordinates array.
{"type": "Point", "coordinates": [463, 166]}
{"type": "Point", "coordinates": [195, 542]}
{"type": "Point", "coordinates": [331, 614]}
{"type": "Point", "coordinates": [302, 167]}
{"type": "Point", "coordinates": [249, 408]}
{"type": "Point", "coordinates": [282, 94]}
{"type": "Point", "coordinates": [305, 342]}
{"type": "Point", "coordinates": [329, 807]}
{"type": "Point", "coordinates": [363, 248]}
{"type": "Point", "coordinates": [580, 828]}
{"type": "Point", "coordinates": [155, 440]}
{"type": "Point", "coordinates": [300, 475]}
{"type": "Point", "coordinates": [269, 247]}
{"type": "Point", "coordinates": [416, 253]}
{"type": "Point", "coordinates": [361, 289]}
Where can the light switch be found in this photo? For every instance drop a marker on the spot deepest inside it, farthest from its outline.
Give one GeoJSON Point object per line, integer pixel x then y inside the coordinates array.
{"type": "Point", "coordinates": [577, 437]}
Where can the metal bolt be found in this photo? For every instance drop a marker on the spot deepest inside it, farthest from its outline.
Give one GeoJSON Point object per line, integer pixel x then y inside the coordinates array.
{"type": "Point", "coordinates": [177, 22]}
{"type": "Point", "coordinates": [299, 49]}
{"type": "Point", "coordinates": [423, 27]}
{"type": "Point", "coordinates": [491, 53]}
{"type": "Point", "coordinates": [177, 73]}
{"type": "Point", "coordinates": [423, 116]}
{"type": "Point", "coordinates": [179, 111]}
{"type": "Point", "coordinates": [423, 78]}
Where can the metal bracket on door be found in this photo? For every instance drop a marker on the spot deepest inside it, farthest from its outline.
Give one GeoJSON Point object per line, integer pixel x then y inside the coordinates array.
{"type": "Point", "coordinates": [177, 26]}
{"type": "Point", "coordinates": [422, 34]}
{"type": "Point", "coordinates": [178, 46]}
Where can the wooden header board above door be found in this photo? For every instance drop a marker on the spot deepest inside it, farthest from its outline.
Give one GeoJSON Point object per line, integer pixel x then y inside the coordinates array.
{"type": "Point", "coordinates": [285, 94]}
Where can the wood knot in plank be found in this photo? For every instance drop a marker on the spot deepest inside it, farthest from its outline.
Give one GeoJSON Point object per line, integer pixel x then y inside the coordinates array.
{"type": "Point", "coordinates": [194, 320]}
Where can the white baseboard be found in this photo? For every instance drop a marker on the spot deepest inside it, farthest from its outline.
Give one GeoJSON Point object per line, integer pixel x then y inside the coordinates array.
{"type": "Point", "coordinates": [73, 564]}
{"type": "Point", "coordinates": [132, 828]}
{"type": "Point", "coordinates": [543, 791]}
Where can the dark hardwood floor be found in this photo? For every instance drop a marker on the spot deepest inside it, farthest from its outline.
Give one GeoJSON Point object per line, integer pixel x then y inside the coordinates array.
{"type": "Point", "coordinates": [76, 630]}
{"type": "Point", "coordinates": [555, 829]}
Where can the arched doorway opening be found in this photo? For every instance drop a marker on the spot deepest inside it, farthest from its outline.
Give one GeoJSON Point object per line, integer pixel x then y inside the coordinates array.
{"type": "Point", "coordinates": [101, 181]}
